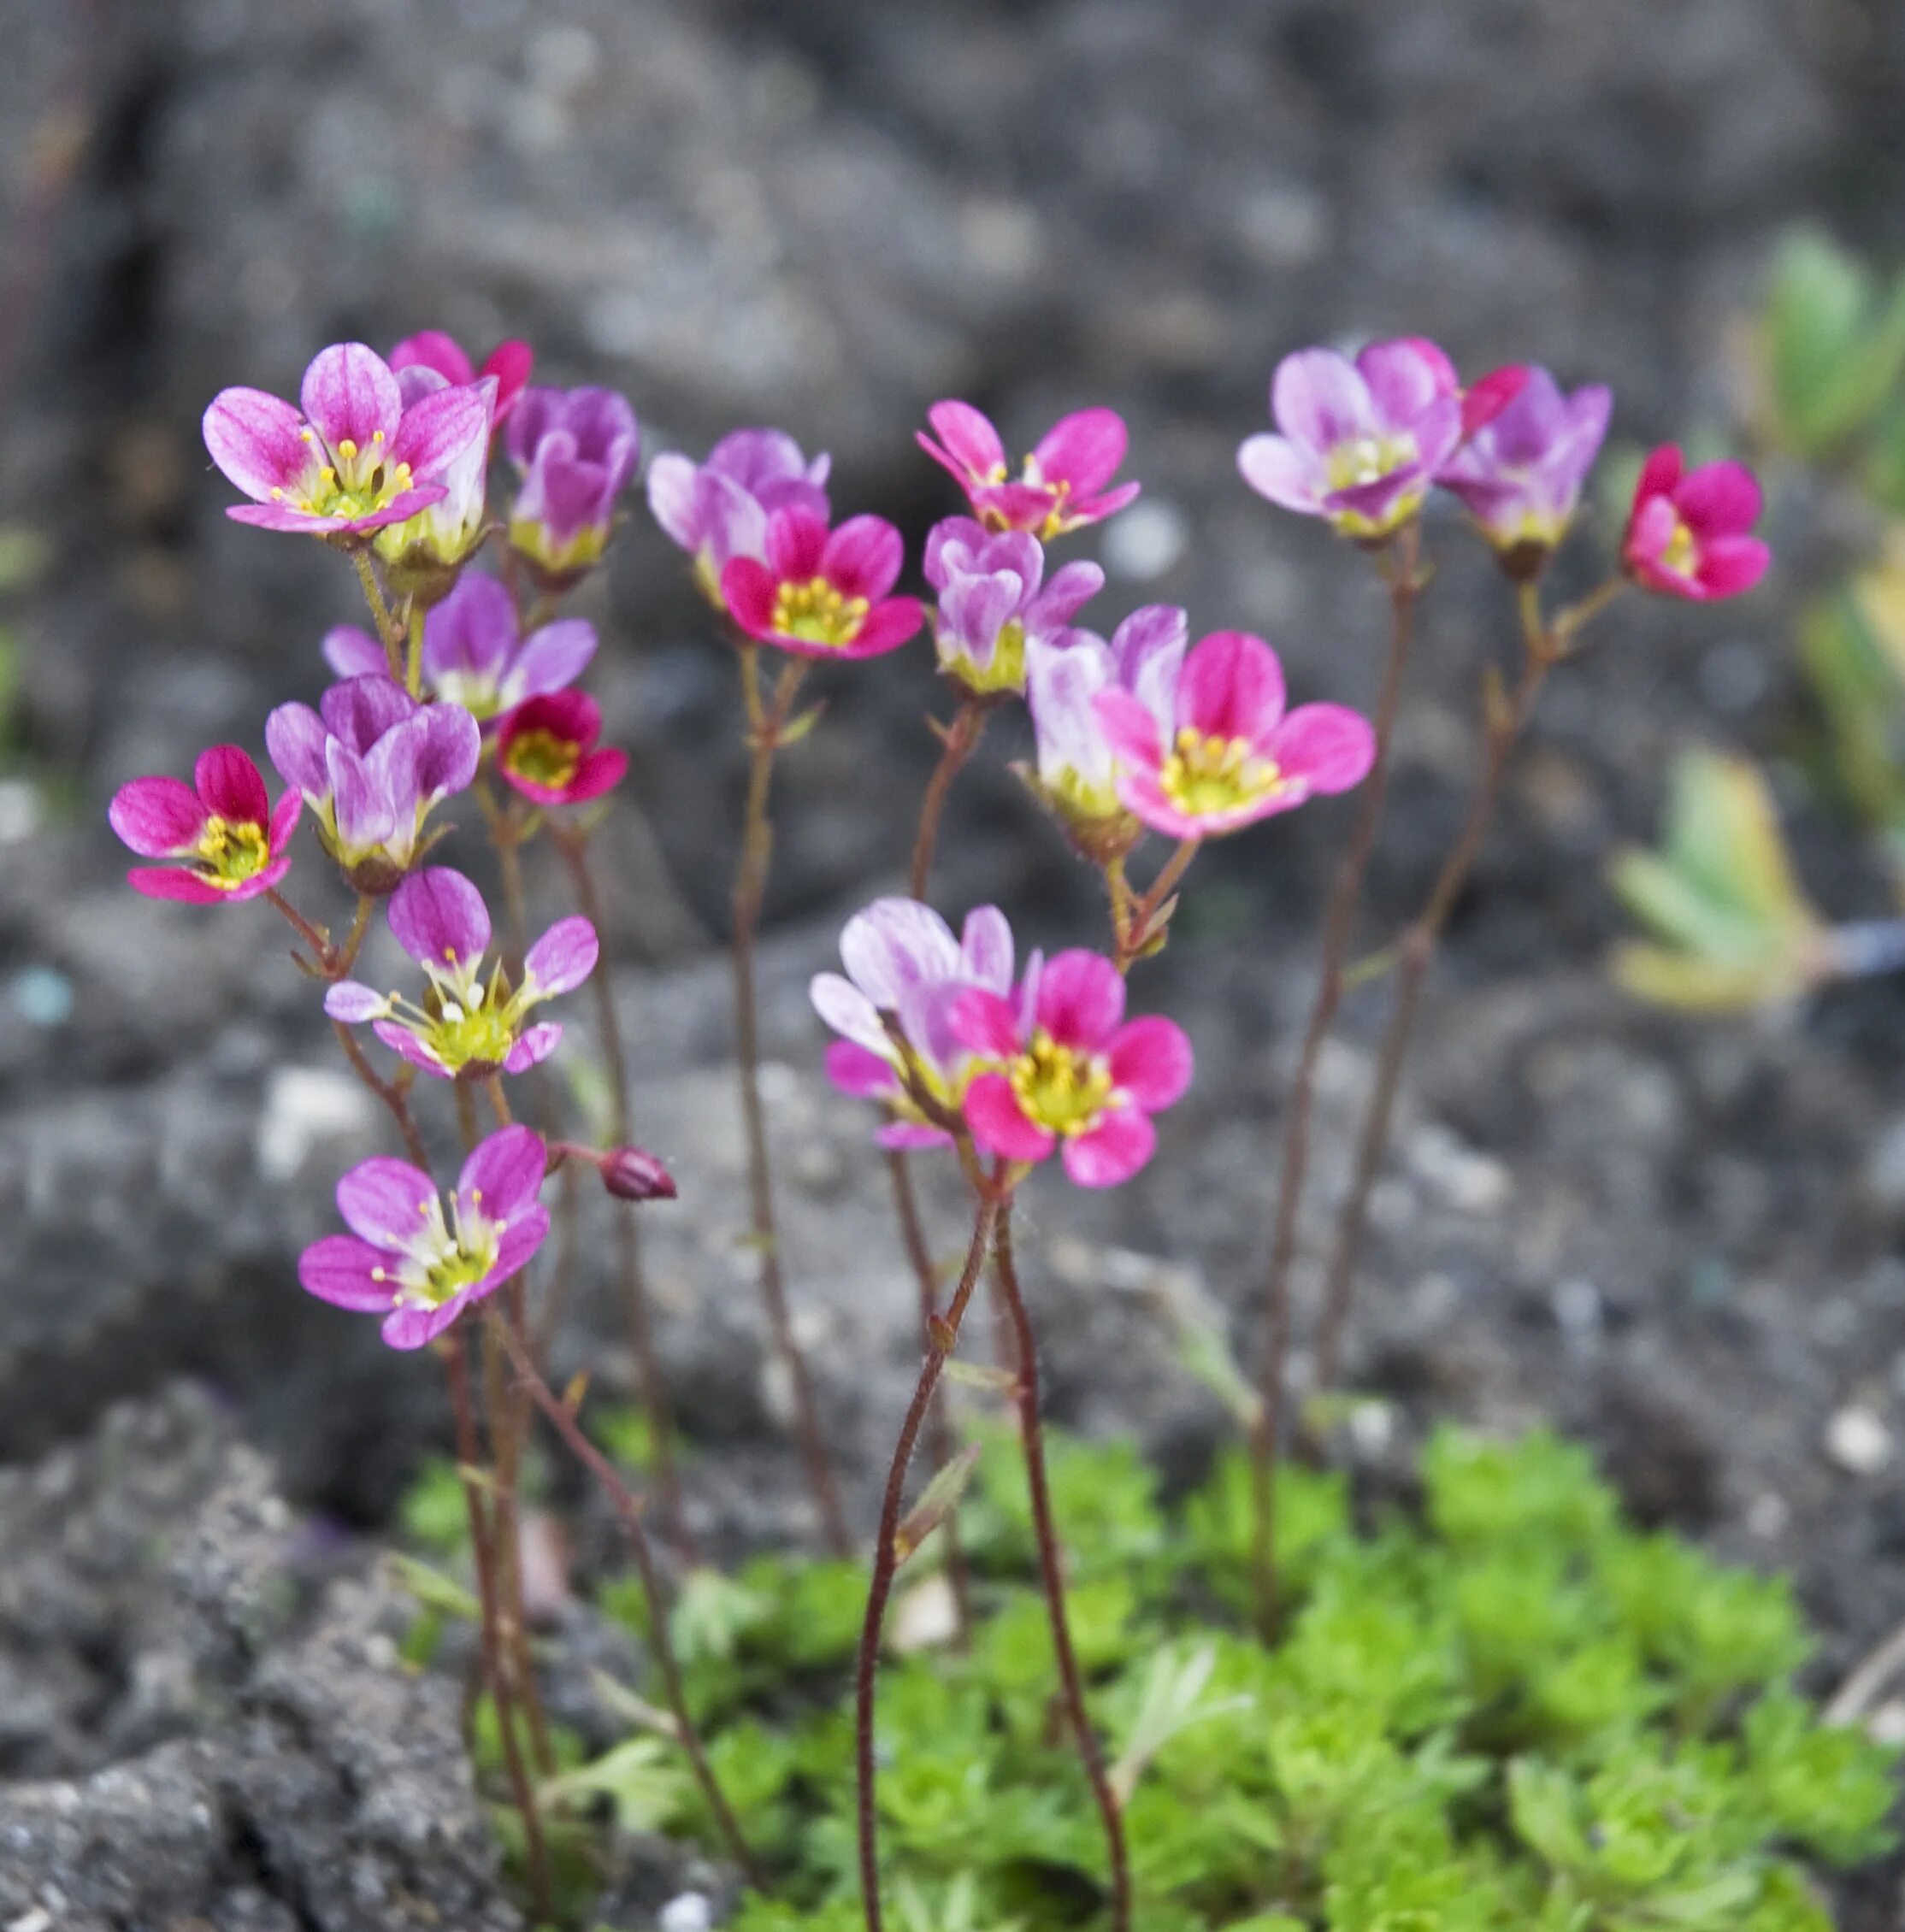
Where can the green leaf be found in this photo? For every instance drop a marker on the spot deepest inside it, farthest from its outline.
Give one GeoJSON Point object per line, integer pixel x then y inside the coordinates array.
{"type": "Point", "coordinates": [940, 1499]}
{"type": "Point", "coordinates": [1835, 341]}
{"type": "Point", "coordinates": [641, 1778]}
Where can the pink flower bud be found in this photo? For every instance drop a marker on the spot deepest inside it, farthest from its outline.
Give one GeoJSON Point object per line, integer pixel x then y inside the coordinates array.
{"type": "Point", "coordinates": [633, 1173]}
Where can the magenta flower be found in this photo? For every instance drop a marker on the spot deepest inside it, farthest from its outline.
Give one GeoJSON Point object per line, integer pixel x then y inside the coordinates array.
{"type": "Point", "coordinates": [510, 362]}
{"type": "Point", "coordinates": [1358, 442]}
{"type": "Point", "coordinates": [475, 654]}
{"type": "Point", "coordinates": [821, 592]}
{"type": "Point", "coordinates": [905, 971]}
{"type": "Point", "coordinates": [1520, 473]}
{"type": "Point", "coordinates": [1076, 771]}
{"type": "Point", "coordinates": [353, 458]}
{"type": "Point", "coordinates": [1061, 485]}
{"type": "Point", "coordinates": [423, 553]}
{"type": "Point", "coordinates": [1687, 534]}
{"type": "Point", "coordinates": [1231, 756]}
{"type": "Point", "coordinates": [576, 450]}
{"type": "Point", "coordinates": [991, 608]}
{"type": "Point", "coordinates": [1072, 1072]}
{"type": "Point", "coordinates": [405, 1260]}
{"type": "Point", "coordinates": [719, 510]}
{"type": "Point", "coordinates": [373, 763]}
{"type": "Point", "coordinates": [547, 750]}
{"type": "Point", "coordinates": [221, 836]}
{"type": "Point", "coordinates": [466, 1027]}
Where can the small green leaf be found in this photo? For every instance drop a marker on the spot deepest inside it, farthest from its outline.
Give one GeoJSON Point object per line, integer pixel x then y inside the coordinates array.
{"type": "Point", "coordinates": [940, 1499]}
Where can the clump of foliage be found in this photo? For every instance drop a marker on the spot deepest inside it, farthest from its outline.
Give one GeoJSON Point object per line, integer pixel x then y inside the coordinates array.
{"type": "Point", "coordinates": [1510, 1709]}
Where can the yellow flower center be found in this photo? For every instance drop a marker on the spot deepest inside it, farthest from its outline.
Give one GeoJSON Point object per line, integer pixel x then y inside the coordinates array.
{"type": "Point", "coordinates": [354, 482]}
{"type": "Point", "coordinates": [1681, 554]}
{"type": "Point", "coordinates": [542, 758]}
{"type": "Point", "coordinates": [1065, 1091]}
{"type": "Point", "coordinates": [449, 1262]}
{"type": "Point", "coordinates": [227, 854]}
{"type": "Point", "coordinates": [1205, 774]}
{"type": "Point", "coordinates": [817, 613]}
{"type": "Point", "coordinates": [1367, 459]}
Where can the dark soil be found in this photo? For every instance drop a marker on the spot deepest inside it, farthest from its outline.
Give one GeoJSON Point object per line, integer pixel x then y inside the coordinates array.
{"type": "Point", "coordinates": [1680, 1242]}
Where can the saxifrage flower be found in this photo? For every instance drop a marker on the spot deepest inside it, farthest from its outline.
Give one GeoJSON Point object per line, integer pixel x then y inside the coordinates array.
{"type": "Point", "coordinates": [576, 452]}
{"type": "Point", "coordinates": [821, 592]}
{"type": "Point", "coordinates": [1075, 774]}
{"type": "Point", "coordinates": [408, 1261]}
{"type": "Point", "coordinates": [1688, 531]}
{"type": "Point", "coordinates": [467, 1027]}
{"type": "Point", "coordinates": [1061, 486]}
{"type": "Point", "coordinates": [373, 763]}
{"type": "Point", "coordinates": [992, 608]}
{"type": "Point", "coordinates": [1068, 1071]}
{"type": "Point", "coordinates": [475, 654]}
{"type": "Point", "coordinates": [221, 837]}
{"type": "Point", "coordinates": [905, 970]}
{"type": "Point", "coordinates": [1358, 443]}
{"type": "Point", "coordinates": [352, 458]}
{"type": "Point", "coordinates": [547, 748]}
{"type": "Point", "coordinates": [510, 362]}
{"type": "Point", "coordinates": [719, 510]}
{"type": "Point", "coordinates": [422, 555]}
{"type": "Point", "coordinates": [1230, 755]}
{"type": "Point", "coordinates": [1520, 473]}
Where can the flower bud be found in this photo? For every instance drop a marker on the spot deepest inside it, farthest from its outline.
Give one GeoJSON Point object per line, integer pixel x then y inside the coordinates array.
{"type": "Point", "coordinates": [633, 1173]}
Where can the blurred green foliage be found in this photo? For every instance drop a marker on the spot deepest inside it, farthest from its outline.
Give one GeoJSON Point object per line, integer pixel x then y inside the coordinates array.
{"type": "Point", "coordinates": [1509, 1713]}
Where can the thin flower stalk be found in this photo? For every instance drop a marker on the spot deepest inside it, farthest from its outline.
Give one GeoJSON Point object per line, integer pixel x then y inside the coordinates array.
{"type": "Point", "coordinates": [628, 1511]}
{"type": "Point", "coordinates": [1052, 1573]}
{"type": "Point", "coordinates": [766, 722]}
{"type": "Point", "coordinates": [958, 740]}
{"type": "Point", "coordinates": [943, 1338]}
{"type": "Point", "coordinates": [1405, 582]}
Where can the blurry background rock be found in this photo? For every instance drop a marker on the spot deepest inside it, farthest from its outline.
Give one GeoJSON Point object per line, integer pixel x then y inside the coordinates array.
{"type": "Point", "coordinates": [827, 215]}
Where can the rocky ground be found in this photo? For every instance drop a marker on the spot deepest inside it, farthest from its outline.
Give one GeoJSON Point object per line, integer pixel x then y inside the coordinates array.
{"type": "Point", "coordinates": [1680, 1242]}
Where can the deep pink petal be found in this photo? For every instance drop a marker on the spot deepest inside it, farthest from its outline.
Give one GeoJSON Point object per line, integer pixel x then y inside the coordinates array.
{"type": "Point", "coordinates": [343, 1270]}
{"type": "Point", "coordinates": [536, 1045]}
{"type": "Point", "coordinates": [259, 883]}
{"type": "Point", "coordinates": [1083, 450]}
{"type": "Point", "coordinates": [909, 1136]}
{"type": "Point", "coordinates": [1731, 565]}
{"type": "Point", "coordinates": [1660, 473]}
{"type": "Point", "coordinates": [416, 1326]}
{"type": "Point", "coordinates": [406, 1044]}
{"type": "Point", "coordinates": [1080, 510]}
{"type": "Point", "coordinates": [284, 821]}
{"type": "Point", "coordinates": [257, 441]}
{"type": "Point", "coordinates": [387, 1201]}
{"type": "Point", "coordinates": [231, 786]}
{"type": "Point", "coordinates": [1329, 746]}
{"type": "Point", "coordinates": [986, 1023]}
{"type": "Point", "coordinates": [504, 1172]}
{"type": "Point", "coordinates": [438, 917]}
{"type": "Point", "coordinates": [1014, 506]}
{"type": "Point", "coordinates": [1081, 999]}
{"type": "Point", "coordinates": [157, 817]}
{"type": "Point", "coordinates": [174, 882]}
{"type": "Point", "coordinates": [1113, 1150]}
{"type": "Point", "coordinates": [564, 957]}
{"type": "Point", "coordinates": [528, 1229]}
{"type": "Point", "coordinates": [748, 589]}
{"type": "Point", "coordinates": [350, 393]}
{"type": "Point", "coordinates": [863, 557]}
{"type": "Point", "coordinates": [1488, 396]}
{"type": "Point", "coordinates": [510, 362]}
{"type": "Point", "coordinates": [1130, 729]}
{"type": "Point", "coordinates": [796, 542]}
{"type": "Point", "coordinates": [599, 771]}
{"type": "Point", "coordinates": [1141, 794]}
{"type": "Point", "coordinates": [887, 626]}
{"type": "Point", "coordinates": [972, 445]}
{"type": "Point", "coordinates": [1150, 1061]}
{"type": "Point", "coordinates": [992, 1111]}
{"type": "Point", "coordinates": [433, 348]}
{"type": "Point", "coordinates": [1720, 499]}
{"type": "Point", "coordinates": [438, 430]}
{"type": "Point", "coordinates": [1232, 687]}
{"type": "Point", "coordinates": [283, 517]}
{"type": "Point", "coordinates": [859, 1071]}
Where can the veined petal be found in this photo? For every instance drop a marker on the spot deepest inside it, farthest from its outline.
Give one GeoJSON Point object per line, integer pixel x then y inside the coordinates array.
{"type": "Point", "coordinates": [894, 943]}
{"type": "Point", "coordinates": [352, 652]}
{"type": "Point", "coordinates": [449, 748]}
{"type": "Point", "coordinates": [284, 821]}
{"type": "Point", "coordinates": [1133, 734]}
{"type": "Point", "coordinates": [230, 785]}
{"type": "Point", "coordinates": [175, 882]}
{"type": "Point", "coordinates": [553, 658]}
{"type": "Point", "coordinates": [1403, 381]}
{"type": "Point", "coordinates": [1081, 999]}
{"type": "Point", "coordinates": [388, 1202]}
{"type": "Point", "coordinates": [849, 1012]}
{"type": "Point", "coordinates": [503, 1172]}
{"type": "Point", "coordinates": [858, 1071]}
{"type": "Point", "coordinates": [157, 817]}
{"type": "Point", "coordinates": [748, 590]}
{"type": "Point", "coordinates": [360, 711]}
{"type": "Point", "coordinates": [863, 557]}
{"type": "Point", "coordinates": [1114, 1150]}
{"type": "Point", "coordinates": [257, 441]}
{"type": "Point", "coordinates": [796, 542]}
{"type": "Point", "coordinates": [354, 1003]}
{"type": "Point", "coordinates": [294, 737]}
{"type": "Point", "coordinates": [1072, 587]}
{"type": "Point", "coordinates": [402, 1041]}
{"type": "Point", "coordinates": [1318, 399]}
{"type": "Point", "coordinates": [528, 1230]}
{"type": "Point", "coordinates": [438, 917]}
{"type": "Point", "coordinates": [350, 394]}
{"type": "Point", "coordinates": [1061, 682]}
{"type": "Point", "coordinates": [889, 625]}
{"type": "Point", "coordinates": [953, 546]}
{"type": "Point", "coordinates": [439, 428]}
{"type": "Point", "coordinates": [348, 1273]}
{"type": "Point", "coordinates": [1232, 687]}
{"type": "Point", "coordinates": [564, 957]}
{"type": "Point", "coordinates": [536, 1045]}
{"type": "Point", "coordinates": [986, 948]}
{"type": "Point", "coordinates": [473, 631]}
{"type": "Point", "coordinates": [987, 1023]}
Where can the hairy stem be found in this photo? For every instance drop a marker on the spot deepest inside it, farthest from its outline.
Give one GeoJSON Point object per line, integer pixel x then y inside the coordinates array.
{"type": "Point", "coordinates": [1052, 1571]}
{"type": "Point", "coordinates": [1132, 922]}
{"type": "Point", "coordinates": [1339, 924]}
{"type": "Point", "coordinates": [765, 724]}
{"type": "Point", "coordinates": [628, 1509]}
{"type": "Point", "coordinates": [651, 1383]}
{"type": "Point", "coordinates": [391, 1096]}
{"type": "Point", "coordinates": [943, 1338]}
{"type": "Point", "coordinates": [958, 742]}
{"type": "Point", "coordinates": [390, 633]}
{"type": "Point", "coordinates": [496, 1664]}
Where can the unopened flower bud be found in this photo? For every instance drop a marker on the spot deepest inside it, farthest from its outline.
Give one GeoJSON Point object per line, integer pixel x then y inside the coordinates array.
{"type": "Point", "coordinates": [633, 1173]}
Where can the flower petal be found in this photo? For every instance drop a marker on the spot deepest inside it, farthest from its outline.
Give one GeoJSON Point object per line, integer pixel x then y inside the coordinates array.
{"type": "Point", "coordinates": [972, 447]}
{"type": "Point", "coordinates": [986, 948]}
{"type": "Point", "coordinates": [1318, 399]}
{"type": "Point", "coordinates": [258, 440]}
{"type": "Point", "coordinates": [503, 1172]}
{"type": "Point", "coordinates": [1113, 1150]}
{"type": "Point", "coordinates": [441, 427]}
{"type": "Point", "coordinates": [863, 557]}
{"type": "Point", "coordinates": [157, 817]}
{"type": "Point", "coordinates": [360, 711]}
{"type": "Point", "coordinates": [1274, 467]}
{"type": "Point", "coordinates": [564, 957]}
{"type": "Point", "coordinates": [473, 631]}
{"type": "Point", "coordinates": [352, 652]}
{"type": "Point", "coordinates": [986, 1023]}
{"type": "Point", "coordinates": [1720, 499]}
{"type": "Point", "coordinates": [858, 1070]}
{"type": "Point", "coordinates": [175, 882]}
{"type": "Point", "coordinates": [438, 917]}
{"type": "Point", "coordinates": [354, 1003]}
{"type": "Point", "coordinates": [748, 589]}
{"type": "Point", "coordinates": [230, 785]}
{"type": "Point", "coordinates": [992, 1111]}
{"type": "Point", "coordinates": [387, 1201]}
{"type": "Point", "coordinates": [1232, 687]}
{"type": "Point", "coordinates": [344, 1271]}
{"type": "Point", "coordinates": [284, 821]}
{"type": "Point", "coordinates": [1150, 1061]}
{"type": "Point", "coordinates": [796, 542]}
{"type": "Point", "coordinates": [895, 943]}
{"type": "Point", "coordinates": [1081, 999]}
{"type": "Point", "coordinates": [1083, 448]}
{"type": "Point", "coordinates": [553, 657]}
{"type": "Point", "coordinates": [1731, 565]}
{"type": "Point", "coordinates": [887, 626]}
{"type": "Point", "coordinates": [671, 498]}
{"type": "Point", "coordinates": [536, 1045]}
{"type": "Point", "coordinates": [1329, 746]}
{"type": "Point", "coordinates": [350, 393]}
{"type": "Point", "coordinates": [432, 349]}
{"type": "Point", "coordinates": [450, 748]}
{"type": "Point", "coordinates": [849, 1012]}
{"type": "Point", "coordinates": [1404, 376]}
{"type": "Point", "coordinates": [1130, 729]}
{"type": "Point", "coordinates": [528, 1230]}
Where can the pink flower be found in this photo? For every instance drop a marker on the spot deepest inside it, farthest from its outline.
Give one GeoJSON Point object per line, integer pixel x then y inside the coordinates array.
{"type": "Point", "coordinates": [354, 458]}
{"type": "Point", "coordinates": [221, 836]}
{"type": "Point", "coordinates": [469, 1027]}
{"type": "Point", "coordinates": [823, 594]}
{"type": "Point", "coordinates": [992, 611]}
{"type": "Point", "coordinates": [1687, 534]}
{"type": "Point", "coordinates": [1233, 757]}
{"type": "Point", "coordinates": [510, 362]}
{"type": "Point", "coordinates": [718, 509]}
{"type": "Point", "coordinates": [576, 451]}
{"type": "Point", "coordinates": [405, 1260]}
{"type": "Point", "coordinates": [547, 750]}
{"type": "Point", "coordinates": [905, 970]}
{"type": "Point", "coordinates": [1358, 443]}
{"type": "Point", "coordinates": [1072, 1073]}
{"type": "Point", "coordinates": [1061, 486]}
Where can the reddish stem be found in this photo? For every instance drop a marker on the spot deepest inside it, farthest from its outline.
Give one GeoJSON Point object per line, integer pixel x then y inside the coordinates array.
{"type": "Point", "coordinates": [959, 741]}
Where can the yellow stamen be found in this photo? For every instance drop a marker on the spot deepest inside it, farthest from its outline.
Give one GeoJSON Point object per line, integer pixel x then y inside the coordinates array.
{"type": "Point", "coordinates": [817, 613]}
{"type": "Point", "coordinates": [1209, 774]}
{"type": "Point", "coordinates": [1066, 1092]}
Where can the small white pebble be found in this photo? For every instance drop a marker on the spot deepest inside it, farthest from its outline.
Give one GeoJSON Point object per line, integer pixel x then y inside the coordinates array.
{"type": "Point", "coordinates": [304, 1107]}
{"type": "Point", "coordinates": [1858, 1442]}
{"type": "Point", "coordinates": [690, 1912]}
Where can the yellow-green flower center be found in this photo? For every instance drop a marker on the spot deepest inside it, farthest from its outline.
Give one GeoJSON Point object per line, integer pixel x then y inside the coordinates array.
{"type": "Point", "coordinates": [1367, 459]}
{"type": "Point", "coordinates": [1681, 554]}
{"type": "Point", "coordinates": [227, 855]}
{"type": "Point", "coordinates": [542, 758]}
{"type": "Point", "coordinates": [441, 1264]}
{"type": "Point", "coordinates": [1206, 774]}
{"type": "Point", "coordinates": [817, 613]}
{"type": "Point", "coordinates": [1064, 1091]}
{"type": "Point", "coordinates": [356, 482]}
{"type": "Point", "coordinates": [1003, 671]}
